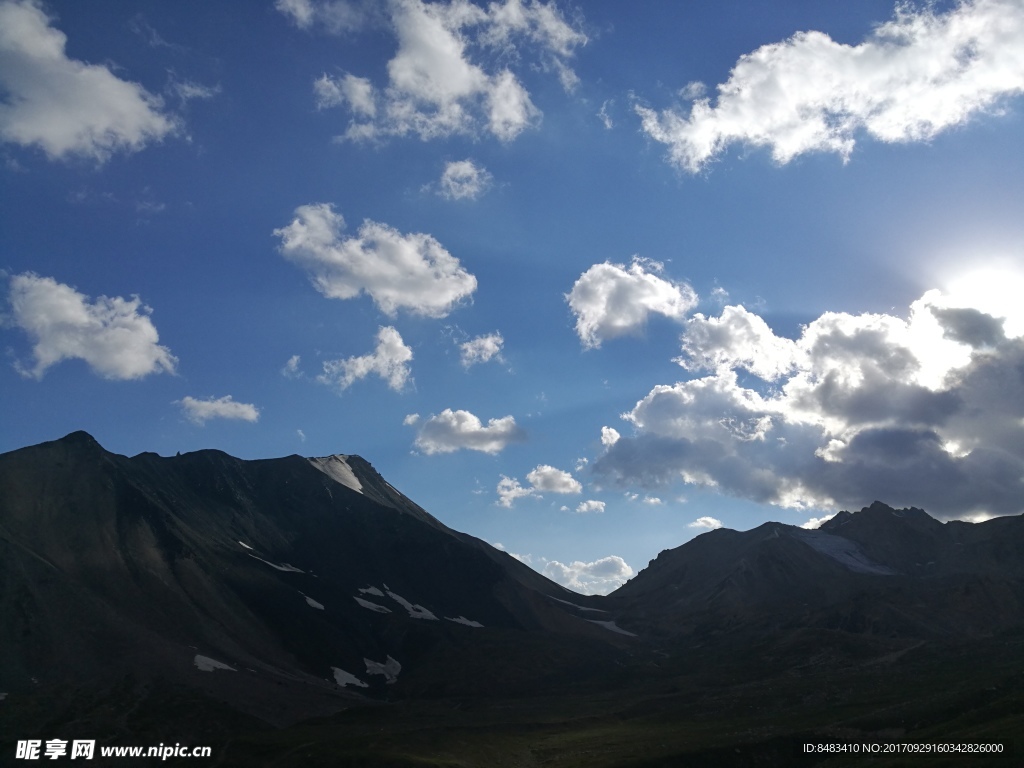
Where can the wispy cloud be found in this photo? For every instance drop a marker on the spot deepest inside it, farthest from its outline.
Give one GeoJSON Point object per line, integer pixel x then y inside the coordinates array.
{"type": "Point", "coordinates": [463, 180]}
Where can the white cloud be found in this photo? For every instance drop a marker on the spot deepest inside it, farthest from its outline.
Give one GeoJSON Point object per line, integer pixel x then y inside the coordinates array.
{"type": "Point", "coordinates": [653, 500]}
{"type": "Point", "coordinates": [612, 300]}
{"type": "Point", "coordinates": [548, 479]}
{"type": "Point", "coordinates": [201, 411]}
{"type": "Point", "coordinates": [186, 90]}
{"type": "Point", "coordinates": [481, 349]}
{"type": "Point", "coordinates": [590, 505]}
{"type": "Point", "coordinates": [412, 272]}
{"type": "Point", "coordinates": [595, 578]}
{"type": "Point", "coordinates": [451, 430]}
{"type": "Point", "coordinates": [390, 361]}
{"type": "Point", "coordinates": [816, 522]}
{"type": "Point", "coordinates": [464, 180]}
{"type": "Point", "coordinates": [707, 523]}
{"type": "Point", "coordinates": [738, 338]}
{"type": "Point", "coordinates": [411, 419]}
{"type": "Point", "coordinates": [914, 77]}
{"type": "Point", "coordinates": [291, 368]}
{"type": "Point", "coordinates": [542, 478]}
{"type": "Point", "coordinates": [335, 16]}
{"type": "Point", "coordinates": [509, 490]}
{"type": "Point", "coordinates": [64, 106]}
{"type": "Point", "coordinates": [357, 92]}
{"type": "Point", "coordinates": [115, 336]}
{"type": "Point", "coordinates": [609, 436]}
{"type": "Point", "coordinates": [925, 411]}
{"type": "Point", "coordinates": [439, 83]}
{"type": "Point", "coordinates": [604, 116]}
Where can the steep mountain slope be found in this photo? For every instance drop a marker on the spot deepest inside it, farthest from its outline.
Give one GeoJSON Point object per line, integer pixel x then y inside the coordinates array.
{"type": "Point", "coordinates": [287, 586]}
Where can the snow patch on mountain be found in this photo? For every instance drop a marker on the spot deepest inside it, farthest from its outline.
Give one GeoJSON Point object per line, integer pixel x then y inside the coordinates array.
{"type": "Point", "coordinates": [611, 626]}
{"type": "Point", "coordinates": [206, 664]}
{"type": "Point", "coordinates": [286, 567]}
{"type": "Point", "coordinates": [343, 678]}
{"type": "Point", "coordinates": [464, 620]}
{"type": "Point", "coordinates": [244, 545]}
{"type": "Point", "coordinates": [337, 468]}
{"type": "Point", "coordinates": [577, 607]}
{"type": "Point", "coordinates": [415, 611]}
{"type": "Point", "coordinates": [843, 551]}
{"type": "Point", "coordinates": [371, 591]}
{"type": "Point", "coordinates": [389, 669]}
{"type": "Point", "coordinates": [313, 603]}
{"type": "Point", "coordinates": [371, 606]}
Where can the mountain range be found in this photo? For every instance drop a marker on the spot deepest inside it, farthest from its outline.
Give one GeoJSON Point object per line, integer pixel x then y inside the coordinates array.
{"type": "Point", "coordinates": [302, 611]}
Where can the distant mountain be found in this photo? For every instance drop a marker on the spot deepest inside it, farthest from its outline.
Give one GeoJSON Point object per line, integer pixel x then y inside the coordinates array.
{"type": "Point", "coordinates": [204, 597]}
{"type": "Point", "coordinates": [880, 571]}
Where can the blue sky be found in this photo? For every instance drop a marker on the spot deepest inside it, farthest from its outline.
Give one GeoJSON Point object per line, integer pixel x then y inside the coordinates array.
{"type": "Point", "coordinates": [583, 280]}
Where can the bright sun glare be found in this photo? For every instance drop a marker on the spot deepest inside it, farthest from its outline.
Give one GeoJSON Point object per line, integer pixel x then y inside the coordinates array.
{"type": "Point", "coordinates": [997, 289]}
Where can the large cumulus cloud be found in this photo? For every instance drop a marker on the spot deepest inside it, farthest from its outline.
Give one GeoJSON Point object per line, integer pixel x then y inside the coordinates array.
{"type": "Point", "coordinates": [925, 411]}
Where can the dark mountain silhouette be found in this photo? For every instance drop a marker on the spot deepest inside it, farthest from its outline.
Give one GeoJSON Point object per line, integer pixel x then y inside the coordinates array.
{"type": "Point", "coordinates": [201, 597]}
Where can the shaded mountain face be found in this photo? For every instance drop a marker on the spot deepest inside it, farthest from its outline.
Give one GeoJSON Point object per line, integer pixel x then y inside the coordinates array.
{"type": "Point", "coordinates": [289, 587]}
{"type": "Point", "coordinates": [878, 572]}
{"type": "Point", "coordinates": [172, 596]}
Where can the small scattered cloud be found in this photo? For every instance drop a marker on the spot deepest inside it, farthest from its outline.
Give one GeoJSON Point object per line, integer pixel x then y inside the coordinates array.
{"type": "Point", "coordinates": [594, 578]}
{"type": "Point", "coordinates": [590, 505]}
{"type": "Point", "coordinates": [613, 300]}
{"type": "Point", "coordinates": [389, 360]}
{"type": "Point", "coordinates": [301, 435]}
{"type": "Point", "coordinates": [291, 369]}
{"type": "Point", "coordinates": [451, 431]}
{"type": "Point", "coordinates": [542, 478]}
{"type": "Point", "coordinates": [609, 436]}
{"type": "Point", "coordinates": [604, 115]}
{"type": "Point", "coordinates": [481, 349]}
{"type": "Point", "coordinates": [917, 75]}
{"type": "Point", "coordinates": [509, 490]}
{"type": "Point", "coordinates": [816, 522]}
{"type": "Point", "coordinates": [201, 411]}
{"type": "Point", "coordinates": [64, 106]}
{"type": "Point", "coordinates": [411, 272]}
{"type": "Point", "coordinates": [187, 90]}
{"type": "Point", "coordinates": [706, 523]}
{"type": "Point", "coordinates": [115, 336]}
{"type": "Point", "coordinates": [464, 180]}
{"type": "Point", "coordinates": [548, 479]}
{"type": "Point", "coordinates": [333, 16]}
